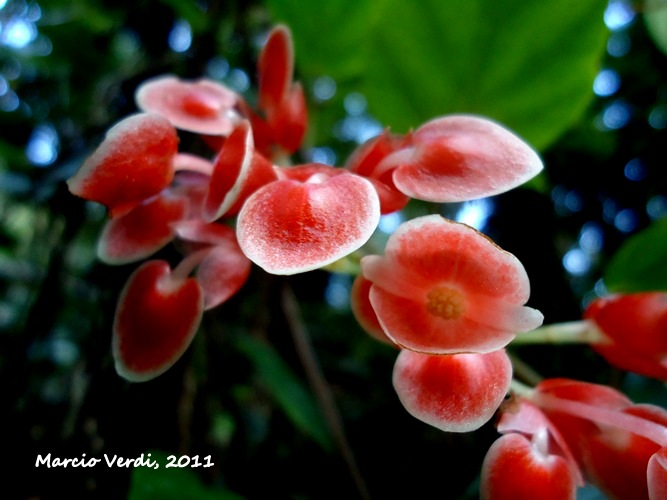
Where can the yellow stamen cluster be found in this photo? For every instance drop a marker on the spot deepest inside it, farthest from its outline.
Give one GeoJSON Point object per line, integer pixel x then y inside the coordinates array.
{"type": "Point", "coordinates": [445, 302]}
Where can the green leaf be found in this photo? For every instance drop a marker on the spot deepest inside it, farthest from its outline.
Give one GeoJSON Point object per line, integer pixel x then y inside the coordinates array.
{"type": "Point", "coordinates": [641, 263]}
{"type": "Point", "coordinates": [655, 17]}
{"type": "Point", "coordinates": [173, 483]}
{"type": "Point", "coordinates": [529, 65]}
{"type": "Point", "coordinates": [286, 389]}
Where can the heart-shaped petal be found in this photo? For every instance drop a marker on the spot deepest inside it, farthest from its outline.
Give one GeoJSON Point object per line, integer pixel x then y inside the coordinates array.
{"type": "Point", "coordinates": [519, 469]}
{"type": "Point", "coordinates": [455, 392]}
{"type": "Point", "coordinates": [133, 163]}
{"type": "Point", "coordinates": [202, 106]}
{"type": "Point", "coordinates": [460, 158]}
{"type": "Point", "coordinates": [156, 319]}
{"type": "Point", "coordinates": [141, 232]}
{"type": "Point", "coordinates": [289, 227]}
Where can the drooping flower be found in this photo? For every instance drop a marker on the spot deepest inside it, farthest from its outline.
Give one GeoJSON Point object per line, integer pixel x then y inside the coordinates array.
{"type": "Point", "coordinates": [455, 392]}
{"type": "Point", "coordinates": [523, 468]}
{"type": "Point", "coordinates": [634, 331]}
{"type": "Point", "coordinates": [452, 158]}
{"type": "Point", "coordinates": [201, 106]}
{"type": "Point", "coordinates": [134, 162]}
{"type": "Point", "coordinates": [444, 288]}
{"type": "Point", "coordinates": [612, 439]}
{"type": "Point", "coordinates": [157, 316]}
{"type": "Point", "coordinates": [291, 226]}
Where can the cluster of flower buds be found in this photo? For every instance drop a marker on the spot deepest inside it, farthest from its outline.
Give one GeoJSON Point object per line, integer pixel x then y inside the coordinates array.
{"type": "Point", "coordinates": [446, 296]}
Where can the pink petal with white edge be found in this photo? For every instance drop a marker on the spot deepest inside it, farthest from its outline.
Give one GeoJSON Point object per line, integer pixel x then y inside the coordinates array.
{"type": "Point", "coordinates": [225, 269]}
{"type": "Point", "coordinates": [238, 172]}
{"type": "Point", "coordinates": [275, 68]}
{"type": "Point", "coordinates": [518, 469]}
{"type": "Point", "coordinates": [202, 106]}
{"type": "Point", "coordinates": [459, 158]}
{"type": "Point", "coordinates": [133, 163]}
{"type": "Point", "coordinates": [442, 288]}
{"type": "Point", "coordinates": [156, 319]}
{"type": "Point", "coordinates": [141, 232]}
{"type": "Point", "coordinates": [455, 393]}
{"type": "Point", "coordinates": [289, 227]}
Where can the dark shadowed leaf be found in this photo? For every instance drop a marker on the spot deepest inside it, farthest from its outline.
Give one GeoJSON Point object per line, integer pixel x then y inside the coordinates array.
{"type": "Point", "coordinates": [639, 265]}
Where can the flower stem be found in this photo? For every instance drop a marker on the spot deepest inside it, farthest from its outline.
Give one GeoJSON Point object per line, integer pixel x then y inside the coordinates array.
{"type": "Point", "coordinates": [572, 332]}
{"type": "Point", "coordinates": [320, 386]}
{"type": "Point", "coordinates": [613, 418]}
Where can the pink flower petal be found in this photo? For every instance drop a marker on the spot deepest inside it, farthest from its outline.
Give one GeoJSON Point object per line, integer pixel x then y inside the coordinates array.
{"type": "Point", "coordinates": [238, 172]}
{"type": "Point", "coordinates": [288, 227]}
{"type": "Point", "coordinates": [133, 163]}
{"type": "Point", "coordinates": [619, 318]}
{"type": "Point", "coordinates": [367, 162]}
{"type": "Point", "coordinates": [443, 287]}
{"type": "Point", "coordinates": [515, 468]}
{"type": "Point", "coordinates": [141, 232]}
{"type": "Point", "coordinates": [275, 68]}
{"type": "Point", "coordinates": [363, 310]}
{"type": "Point", "coordinates": [290, 121]}
{"type": "Point", "coordinates": [459, 158]}
{"type": "Point", "coordinates": [202, 106]}
{"type": "Point", "coordinates": [156, 319]}
{"type": "Point", "coordinates": [455, 393]}
{"type": "Point", "coordinates": [225, 269]}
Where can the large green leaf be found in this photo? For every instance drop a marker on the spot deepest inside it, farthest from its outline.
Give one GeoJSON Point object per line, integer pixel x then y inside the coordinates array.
{"type": "Point", "coordinates": [286, 389]}
{"type": "Point", "coordinates": [655, 16]}
{"type": "Point", "coordinates": [641, 263]}
{"type": "Point", "coordinates": [527, 64]}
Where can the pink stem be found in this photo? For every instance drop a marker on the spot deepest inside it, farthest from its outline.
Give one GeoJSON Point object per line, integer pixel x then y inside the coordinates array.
{"type": "Point", "coordinates": [614, 418]}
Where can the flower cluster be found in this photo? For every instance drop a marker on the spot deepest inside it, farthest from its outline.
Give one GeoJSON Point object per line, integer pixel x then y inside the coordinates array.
{"type": "Point", "coordinates": [563, 431]}
{"type": "Point", "coordinates": [444, 295]}
{"type": "Point", "coordinates": [240, 206]}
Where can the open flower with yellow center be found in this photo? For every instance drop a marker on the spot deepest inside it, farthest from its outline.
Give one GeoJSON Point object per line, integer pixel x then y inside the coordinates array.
{"type": "Point", "coordinates": [444, 288]}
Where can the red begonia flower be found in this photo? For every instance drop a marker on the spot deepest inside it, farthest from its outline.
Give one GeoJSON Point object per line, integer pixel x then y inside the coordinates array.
{"type": "Point", "coordinates": [519, 468]}
{"type": "Point", "coordinates": [454, 392]}
{"type": "Point", "coordinates": [288, 226]}
{"type": "Point", "coordinates": [635, 329]}
{"type": "Point", "coordinates": [157, 317]}
{"type": "Point", "coordinates": [460, 158]}
{"type": "Point", "coordinates": [611, 438]}
{"type": "Point", "coordinates": [522, 417]}
{"type": "Point", "coordinates": [365, 161]}
{"type": "Point", "coordinates": [133, 163]}
{"type": "Point", "coordinates": [657, 475]}
{"type": "Point", "coordinates": [237, 172]}
{"type": "Point", "coordinates": [224, 269]}
{"type": "Point", "coordinates": [443, 288]}
{"type": "Point", "coordinates": [202, 106]}
{"type": "Point", "coordinates": [282, 102]}
{"type": "Point", "coordinates": [141, 232]}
